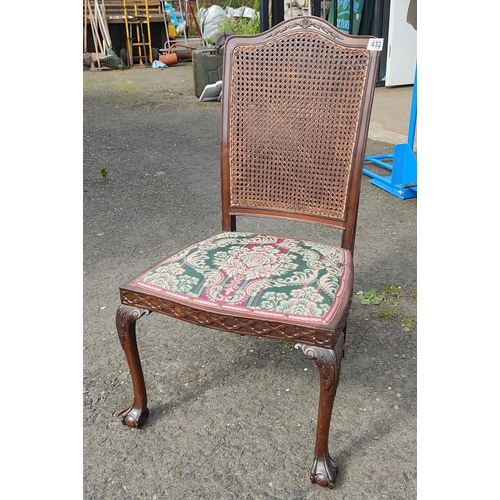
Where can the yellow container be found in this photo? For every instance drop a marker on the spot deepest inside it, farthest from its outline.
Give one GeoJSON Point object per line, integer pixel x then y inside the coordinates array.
{"type": "Point", "coordinates": [172, 33]}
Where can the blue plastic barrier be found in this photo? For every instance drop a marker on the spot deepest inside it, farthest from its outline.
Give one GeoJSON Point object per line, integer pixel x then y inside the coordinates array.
{"type": "Point", "coordinates": [402, 182]}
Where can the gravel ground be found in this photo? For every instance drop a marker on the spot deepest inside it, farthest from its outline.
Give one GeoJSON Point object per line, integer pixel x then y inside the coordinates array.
{"type": "Point", "coordinates": [231, 417]}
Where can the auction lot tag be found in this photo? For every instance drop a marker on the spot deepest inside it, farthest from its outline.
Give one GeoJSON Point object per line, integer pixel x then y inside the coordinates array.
{"type": "Point", "coordinates": [375, 44]}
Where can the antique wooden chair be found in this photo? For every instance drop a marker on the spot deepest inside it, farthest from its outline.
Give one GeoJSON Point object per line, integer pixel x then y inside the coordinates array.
{"type": "Point", "coordinates": [296, 106]}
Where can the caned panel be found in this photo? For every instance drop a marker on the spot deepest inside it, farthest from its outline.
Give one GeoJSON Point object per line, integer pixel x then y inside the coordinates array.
{"type": "Point", "coordinates": [294, 114]}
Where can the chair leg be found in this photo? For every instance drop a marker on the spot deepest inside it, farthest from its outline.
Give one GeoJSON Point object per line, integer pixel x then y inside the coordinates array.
{"type": "Point", "coordinates": [324, 469]}
{"type": "Point", "coordinates": [135, 414]}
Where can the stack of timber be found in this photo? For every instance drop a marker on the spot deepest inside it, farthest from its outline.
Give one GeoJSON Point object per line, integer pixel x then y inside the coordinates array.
{"type": "Point", "coordinates": [95, 16]}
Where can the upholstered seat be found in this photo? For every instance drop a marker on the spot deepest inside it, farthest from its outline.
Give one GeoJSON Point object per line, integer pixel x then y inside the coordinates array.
{"type": "Point", "coordinates": [296, 104]}
{"type": "Point", "coordinates": [256, 275]}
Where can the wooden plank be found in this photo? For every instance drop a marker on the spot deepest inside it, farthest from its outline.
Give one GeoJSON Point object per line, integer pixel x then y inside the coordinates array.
{"type": "Point", "coordinates": [85, 29]}
{"type": "Point", "coordinates": [102, 27]}
{"type": "Point", "coordinates": [95, 34]}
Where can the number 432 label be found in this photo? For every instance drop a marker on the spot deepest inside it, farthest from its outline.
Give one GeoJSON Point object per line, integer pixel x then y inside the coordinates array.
{"type": "Point", "coordinates": [375, 44]}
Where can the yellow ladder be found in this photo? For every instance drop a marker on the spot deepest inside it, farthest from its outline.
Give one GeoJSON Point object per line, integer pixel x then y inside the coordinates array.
{"type": "Point", "coordinates": [136, 14]}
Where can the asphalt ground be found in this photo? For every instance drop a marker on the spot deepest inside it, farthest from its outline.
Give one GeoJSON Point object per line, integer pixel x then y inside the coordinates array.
{"type": "Point", "coordinates": [231, 417]}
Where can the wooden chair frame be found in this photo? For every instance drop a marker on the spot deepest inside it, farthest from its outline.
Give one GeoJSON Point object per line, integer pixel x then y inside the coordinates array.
{"type": "Point", "coordinates": [245, 114]}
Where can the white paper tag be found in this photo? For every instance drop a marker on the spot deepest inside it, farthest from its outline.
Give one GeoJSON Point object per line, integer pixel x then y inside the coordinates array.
{"type": "Point", "coordinates": [375, 44]}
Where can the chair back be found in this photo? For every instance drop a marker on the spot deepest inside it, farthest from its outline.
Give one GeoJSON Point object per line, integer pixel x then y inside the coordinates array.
{"type": "Point", "coordinates": [296, 104]}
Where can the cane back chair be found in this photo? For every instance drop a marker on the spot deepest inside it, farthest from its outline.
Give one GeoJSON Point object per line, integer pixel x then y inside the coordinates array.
{"type": "Point", "coordinates": [301, 79]}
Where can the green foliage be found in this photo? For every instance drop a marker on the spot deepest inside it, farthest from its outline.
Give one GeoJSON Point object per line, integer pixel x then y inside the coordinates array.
{"type": "Point", "coordinates": [395, 305]}
{"type": "Point", "coordinates": [235, 4]}
{"type": "Point", "coordinates": [104, 175]}
{"type": "Point", "coordinates": [406, 323]}
{"type": "Point", "coordinates": [241, 25]}
{"type": "Point", "coordinates": [372, 297]}
{"type": "Point", "coordinates": [392, 290]}
{"type": "Point", "coordinates": [386, 314]}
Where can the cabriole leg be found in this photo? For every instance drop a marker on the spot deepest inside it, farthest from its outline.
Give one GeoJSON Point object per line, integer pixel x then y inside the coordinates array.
{"type": "Point", "coordinates": [135, 414]}
{"type": "Point", "coordinates": [324, 469]}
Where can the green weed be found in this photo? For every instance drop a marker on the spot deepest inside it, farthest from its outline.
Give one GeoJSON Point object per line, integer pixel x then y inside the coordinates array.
{"type": "Point", "coordinates": [386, 314]}
{"type": "Point", "coordinates": [372, 297]}
{"type": "Point", "coordinates": [104, 175]}
{"type": "Point", "coordinates": [392, 290]}
{"type": "Point", "coordinates": [406, 323]}
{"type": "Point", "coordinates": [242, 25]}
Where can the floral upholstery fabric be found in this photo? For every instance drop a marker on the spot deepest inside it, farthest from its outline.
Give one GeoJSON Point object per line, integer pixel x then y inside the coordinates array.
{"type": "Point", "coordinates": [263, 275]}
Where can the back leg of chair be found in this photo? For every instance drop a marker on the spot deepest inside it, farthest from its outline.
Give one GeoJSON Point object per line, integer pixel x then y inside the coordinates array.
{"type": "Point", "coordinates": [135, 414]}
{"type": "Point", "coordinates": [328, 361]}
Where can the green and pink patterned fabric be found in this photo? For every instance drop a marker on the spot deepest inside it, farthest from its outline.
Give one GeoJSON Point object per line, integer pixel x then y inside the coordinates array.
{"type": "Point", "coordinates": [263, 275]}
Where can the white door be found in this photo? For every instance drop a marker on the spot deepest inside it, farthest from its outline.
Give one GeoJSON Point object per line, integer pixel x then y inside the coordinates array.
{"type": "Point", "coordinates": [402, 46]}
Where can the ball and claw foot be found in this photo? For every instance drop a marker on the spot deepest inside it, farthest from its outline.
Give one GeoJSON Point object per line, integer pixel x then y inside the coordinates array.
{"type": "Point", "coordinates": [324, 472]}
{"type": "Point", "coordinates": [133, 417]}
